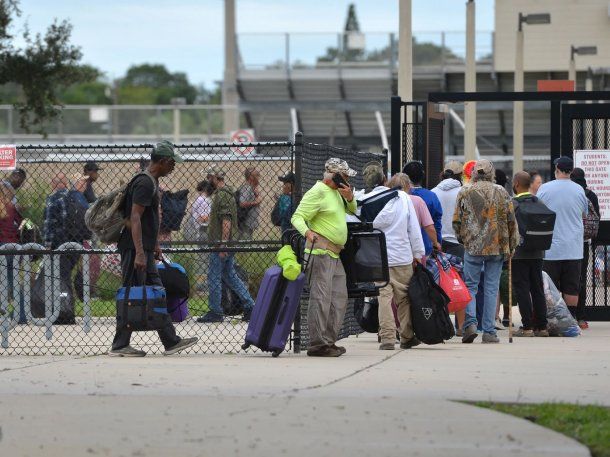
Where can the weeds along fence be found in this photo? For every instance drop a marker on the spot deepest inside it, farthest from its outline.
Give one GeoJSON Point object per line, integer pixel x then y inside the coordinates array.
{"type": "Point", "coordinates": [57, 292]}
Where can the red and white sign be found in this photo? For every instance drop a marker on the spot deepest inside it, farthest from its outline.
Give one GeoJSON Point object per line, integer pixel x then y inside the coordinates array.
{"type": "Point", "coordinates": [596, 164]}
{"type": "Point", "coordinates": [245, 137]}
{"type": "Point", "coordinates": [8, 157]}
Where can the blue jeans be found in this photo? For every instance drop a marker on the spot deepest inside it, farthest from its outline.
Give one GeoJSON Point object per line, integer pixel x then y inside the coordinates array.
{"type": "Point", "coordinates": [472, 275]}
{"type": "Point", "coordinates": [224, 268]}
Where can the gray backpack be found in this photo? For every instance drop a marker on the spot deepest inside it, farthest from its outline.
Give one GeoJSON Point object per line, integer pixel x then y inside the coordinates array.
{"type": "Point", "coordinates": [105, 216]}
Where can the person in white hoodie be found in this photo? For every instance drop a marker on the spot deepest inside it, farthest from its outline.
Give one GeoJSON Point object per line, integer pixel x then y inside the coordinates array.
{"type": "Point", "coordinates": [447, 191]}
{"type": "Point", "coordinates": [405, 245]}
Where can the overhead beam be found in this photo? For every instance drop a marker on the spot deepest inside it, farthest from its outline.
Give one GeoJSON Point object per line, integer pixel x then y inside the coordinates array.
{"type": "Point", "coordinates": [461, 97]}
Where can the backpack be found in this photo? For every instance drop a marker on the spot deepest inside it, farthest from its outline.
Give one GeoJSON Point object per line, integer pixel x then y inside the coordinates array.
{"type": "Point", "coordinates": [536, 223]}
{"type": "Point", "coordinates": [242, 213]}
{"type": "Point", "coordinates": [590, 223]}
{"type": "Point", "coordinates": [429, 315]}
{"type": "Point", "coordinates": [175, 280]}
{"type": "Point", "coordinates": [105, 216]}
{"type": "Point", "coordinates": [76, 208]}
{"type": "Point", "coordinates": [173, 209]}
{"type": "Point", "coordinates": [367, 314]}
{"type": "Point", "coordinates": [276, 218]}
{"type": "Point", "coordinates": [372, 206]}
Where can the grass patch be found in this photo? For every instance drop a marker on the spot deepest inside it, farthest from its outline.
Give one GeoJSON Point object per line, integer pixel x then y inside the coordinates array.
{"type": "Point", "coordinates": [587, 424]}
{"type": "Point", "coordinates": [107, 308]}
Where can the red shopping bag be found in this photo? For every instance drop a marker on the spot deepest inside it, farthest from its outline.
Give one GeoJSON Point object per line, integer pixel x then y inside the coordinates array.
{"type": "Point", "coordinates": [453, 285]}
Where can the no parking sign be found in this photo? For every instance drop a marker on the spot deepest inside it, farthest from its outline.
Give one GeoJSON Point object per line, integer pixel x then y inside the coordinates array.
{"type": "Point", "coordinates": [245, 137]}
{"type": "Point", "coordinates": [8, 157]}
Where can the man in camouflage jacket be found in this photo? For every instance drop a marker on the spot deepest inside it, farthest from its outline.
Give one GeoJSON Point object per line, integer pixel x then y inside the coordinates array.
{"type": "Point", "coordinates": [484, 222]}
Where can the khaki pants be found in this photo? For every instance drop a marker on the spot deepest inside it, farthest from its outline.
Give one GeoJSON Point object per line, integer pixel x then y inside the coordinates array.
{"type": "Point", "coordinates": [397, 288]}
{"type": "Point", "coordinates": [327, 300]}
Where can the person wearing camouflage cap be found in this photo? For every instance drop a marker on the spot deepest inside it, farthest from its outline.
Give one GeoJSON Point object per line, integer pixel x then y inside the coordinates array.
{"type": "Point", "coordinates": [320, 218]}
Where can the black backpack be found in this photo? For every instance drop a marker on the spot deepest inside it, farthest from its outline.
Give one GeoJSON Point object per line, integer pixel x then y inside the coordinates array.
{"type": "Point", "coordinates": [175, 280]}
{"type": "Point", "coordinates": [173, 208]}
{"type": "Point", "coordinates": [76, 207]}
{"type": "Point", "coordinates": [372, 206]}
{"type": "Point", "coordinates": [429, 315]}
{"type": "Point", "coordinates": [536, 223]}
{"type": "Point", "coordinates": [367, 314]}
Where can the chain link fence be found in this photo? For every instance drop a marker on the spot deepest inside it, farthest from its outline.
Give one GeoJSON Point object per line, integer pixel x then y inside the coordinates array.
{"type": "Point", "coordinates": [58, 284]}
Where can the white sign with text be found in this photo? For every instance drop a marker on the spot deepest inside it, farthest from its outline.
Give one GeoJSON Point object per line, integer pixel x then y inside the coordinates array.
{"type": "Point", "coordinates": [596, 164]}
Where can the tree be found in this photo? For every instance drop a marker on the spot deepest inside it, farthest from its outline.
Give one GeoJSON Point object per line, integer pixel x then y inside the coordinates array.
{"type": "Point", "coordinates": [154, 84]}
{"type": "Point", "coordinates": [41, 68]}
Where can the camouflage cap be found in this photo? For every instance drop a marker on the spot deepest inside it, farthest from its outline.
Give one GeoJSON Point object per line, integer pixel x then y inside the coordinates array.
{"type": "Point", "coordinates": [335, 165]}
{"type": "Point", "coordinates": [165, 148]}
{"type": "Point", "coordinates": [454, 167]}
{"type": "Point", "coordinates": [214, 170]}
{"type": "Point", "coordinates": [373, 174]}
{"type": "Point", "coordinates": [483, 168]}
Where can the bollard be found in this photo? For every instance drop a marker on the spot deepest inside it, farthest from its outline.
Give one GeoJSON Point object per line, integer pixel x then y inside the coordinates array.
{"type": "Point", "coordinates": [6, 322]}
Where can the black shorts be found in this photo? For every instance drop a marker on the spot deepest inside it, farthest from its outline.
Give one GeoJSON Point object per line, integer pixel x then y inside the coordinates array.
{"type": "Point", "coordinates": [565, 274]}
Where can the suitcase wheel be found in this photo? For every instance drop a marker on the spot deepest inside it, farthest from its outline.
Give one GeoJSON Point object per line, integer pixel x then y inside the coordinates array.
{"type": "Point", "coordinates": [245, 346]}
{"type": "Point", "coordinates": [276, 353]}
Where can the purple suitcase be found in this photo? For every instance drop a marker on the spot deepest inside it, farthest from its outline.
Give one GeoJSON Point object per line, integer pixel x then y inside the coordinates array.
{"type": "Point", "coordinates": [276, 306]}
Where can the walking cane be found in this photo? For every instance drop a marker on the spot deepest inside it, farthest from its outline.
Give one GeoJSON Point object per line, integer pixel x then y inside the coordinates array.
{"type": "Point", "coordinates": [510, 299]}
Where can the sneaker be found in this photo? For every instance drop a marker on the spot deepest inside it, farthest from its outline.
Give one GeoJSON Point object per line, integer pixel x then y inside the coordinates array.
{"type": "Point", "coordinates": [181, 345]}
{"type": "Point", "coordinates": [127, 351]}
{"type": "Point", "coordinates": [386, 347]}
{"type": "Point", "coordinates": [505, 322]}
{"type": "Point", "coordinates": [470, 334]}
{"type": "Point", "coordinates": [500, 325]}
{"type": "Point", "coordinates": [489, 338]}
{"type": "Point", "coordinates": [524, 332]}
{"type": "Point", "coordinates": [584, 325]}
{"type": "Point", "coordinates": [247, 315]}
{"type": "Point", "coordinates": [410, 343]}
{"type": "Point", "coordinates": [324, 351]}
{"type": "Point", "coordinates": [211, 317]}
{"type": "Point", "coordinates": [541, 333]}
{"type": "Point", "coordinates": [340, 348]}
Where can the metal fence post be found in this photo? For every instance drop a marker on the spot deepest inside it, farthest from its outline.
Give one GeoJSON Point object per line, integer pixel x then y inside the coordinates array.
{"type": "Point", "coordinates": [297, 194]}
{"type": "Point", "coordinates": [395, 135]}
{"type": "Point", "coordinates": [6, 322]}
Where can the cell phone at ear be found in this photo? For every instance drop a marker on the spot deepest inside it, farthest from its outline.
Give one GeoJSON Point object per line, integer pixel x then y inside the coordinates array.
{"type": "Point", "coordinates": [338, 180]}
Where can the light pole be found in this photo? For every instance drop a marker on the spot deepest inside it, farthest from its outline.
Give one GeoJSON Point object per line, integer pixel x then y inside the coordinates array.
{"type": "Point", "coordinates": [581, 51]}
{"type": "Point", "coordinates": [530, 19]}
{"type": "Point", "coordinates": [470, 80]}
{"type": "Point", "coordinates": [405, 56]}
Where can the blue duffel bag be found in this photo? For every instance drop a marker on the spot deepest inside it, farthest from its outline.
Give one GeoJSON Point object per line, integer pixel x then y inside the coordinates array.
{"type": "Point", "coordinates": [142, 308]}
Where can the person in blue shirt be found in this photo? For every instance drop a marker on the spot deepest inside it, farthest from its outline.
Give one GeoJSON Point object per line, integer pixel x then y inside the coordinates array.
{"type": "Point", "coordinates": [285, 200]}
{"type": "Point", "coordinates": [416, 173]}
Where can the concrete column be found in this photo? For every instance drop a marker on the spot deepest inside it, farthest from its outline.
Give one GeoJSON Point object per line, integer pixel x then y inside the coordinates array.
{"type": "Point", "coordinates": [572, 72]}
{"type": "Point", "coordinates": [405, 58]}
{"type": "Point", "coordinates": [229, 85]}
{"type": "Point", "coordinates": [470, 113]}
{"type": "Point", "coordinates": [518, 107]}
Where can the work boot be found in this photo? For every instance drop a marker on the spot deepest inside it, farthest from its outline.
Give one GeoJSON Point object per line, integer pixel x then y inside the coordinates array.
{"type": "Point", "coordinates": [541, 333]}
{"type": "Point", "coordinates": [387, 346]}
{"type": "Point", "coordinates": [324, 351]}
{"type": "Point", "coordinates": [470, 334]}
{"type": "Point", "coordinates": [410, 343]}
{"type": "Point", "coordinates": [490, 338]}
{"type": "Point", "coordinates": [210, 317]}
{"type": "Point", "coordinates": [524, 332]}
{"type": "Point", "coordinates": [340, 348]}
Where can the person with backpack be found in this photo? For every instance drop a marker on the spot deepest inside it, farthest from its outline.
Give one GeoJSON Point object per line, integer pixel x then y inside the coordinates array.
{"type": "Point", "coordinates": [139, 246]}
{"type": "Point", "coordinates": [563, 261]}
{"type": "Point", "coordinates": [248, 198]}
{"type": "Point", "coordinates": [527, 263]}
{"type": "Point", "coordinates": [404, 243]}
{"type": "Point", "coordinates": [222, 228]}
{"type": "Point", "coordinates": [484, 222]}
{"type": "Point", "coordinates": [578, 176]}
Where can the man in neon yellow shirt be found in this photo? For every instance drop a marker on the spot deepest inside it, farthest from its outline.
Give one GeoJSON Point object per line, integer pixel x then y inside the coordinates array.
{"type": "Point", "coordinates": [320, 217]}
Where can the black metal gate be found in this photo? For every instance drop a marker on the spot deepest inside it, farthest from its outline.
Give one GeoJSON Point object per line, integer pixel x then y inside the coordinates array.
{"type": "Point", "coordinates": [587, 126]}
{"type": "Point", "coordinates": [417, 134]}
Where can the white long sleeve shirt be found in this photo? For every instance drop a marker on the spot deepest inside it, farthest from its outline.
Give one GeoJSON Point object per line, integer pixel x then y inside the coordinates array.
{"type": "Point", "coordinates": [398, 221]}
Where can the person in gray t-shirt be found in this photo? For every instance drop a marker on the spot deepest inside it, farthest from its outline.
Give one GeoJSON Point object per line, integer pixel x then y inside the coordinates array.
{"type": "Point", "coordinates": [250, 199]}
{"type": "Point", "coordinates": [563, 261]}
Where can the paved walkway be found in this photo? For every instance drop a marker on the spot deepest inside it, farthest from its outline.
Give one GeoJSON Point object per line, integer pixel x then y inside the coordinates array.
{"type": "Point", "coordinates": [367, 402]}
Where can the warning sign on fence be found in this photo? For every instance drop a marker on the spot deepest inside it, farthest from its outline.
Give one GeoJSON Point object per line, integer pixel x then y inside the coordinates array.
{"type": "Point", "coordinates": [596, 164]}
{"type": "Point", "coordinates": [8, 157]}
{"type": "Point", "coordinates": [245, 137]}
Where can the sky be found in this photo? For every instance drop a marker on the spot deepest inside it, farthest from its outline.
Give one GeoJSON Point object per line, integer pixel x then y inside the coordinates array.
{"type": "Point", "coordinates": [188, 35]}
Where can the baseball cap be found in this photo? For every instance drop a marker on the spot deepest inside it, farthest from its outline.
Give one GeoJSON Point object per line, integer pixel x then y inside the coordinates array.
{"type": "Point", "coordinates": [564, 164]}
{"type": "Point", "coordinates": [335, 165]}
{"type": "Point", "coordinates": [166, 149]}
{"type": "Point", "coordinates": [372, 173]}
{"type": "Point", "coordinates": [288, 177]}
{"type": "Point", "coordinates": [454, 167]}
{"type": "Point", "coordinates": [92, 166]}
{"type": "Point", "coordinates": [214, 170]}
{"type": "Point", "coordinates": [483, 167]}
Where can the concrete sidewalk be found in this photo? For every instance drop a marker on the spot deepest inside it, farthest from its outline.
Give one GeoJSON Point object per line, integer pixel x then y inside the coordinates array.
{"type": "Point", "coordinates": [367, 402]}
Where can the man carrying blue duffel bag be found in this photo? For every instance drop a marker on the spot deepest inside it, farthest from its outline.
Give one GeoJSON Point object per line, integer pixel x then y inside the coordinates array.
{"type": "Point", "coordinates": [141, 302]}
